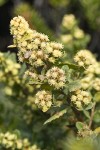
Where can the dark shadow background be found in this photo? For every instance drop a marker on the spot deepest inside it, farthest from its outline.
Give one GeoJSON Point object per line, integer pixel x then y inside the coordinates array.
{"type": "Point", "coordinates": [49, 13]}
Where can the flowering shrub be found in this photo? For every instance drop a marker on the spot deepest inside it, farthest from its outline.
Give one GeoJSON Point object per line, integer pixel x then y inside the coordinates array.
{"type": "Point", "coordinates": [54, 89]}
{"type": "Point", "coordinates": [39, 53]}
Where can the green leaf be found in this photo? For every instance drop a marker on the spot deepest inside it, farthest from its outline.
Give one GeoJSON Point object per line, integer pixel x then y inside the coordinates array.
{"type": "Point", "coordinates": [73, 66]}
{"type": "Point", "coordinates": [65, 68]}
{"type": "Point", "coordinates": [22, 70]}
{"type": "Point", "coordinates": [34, 82]}
{"type": "Point", "coordinates": [96, 117]}
{"type": "Point", "coordinates": [79, 125]}
{"type": "Point", "coordinates": [97, 97]}
{"type": "Point", "coordinates": [89, 106]}
{"type": "Point", "coordinates": [73, 86]}
{"type": "Point", "coordinates": [56, 116]}
{"type": "Point", "coordinates": [65, 90]}
{"type": "Point", "coordinates": [86, 113]}
{"type": "Point", "coordinates": [11, 56]}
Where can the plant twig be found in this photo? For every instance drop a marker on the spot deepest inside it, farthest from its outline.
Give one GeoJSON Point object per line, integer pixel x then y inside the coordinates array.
{"type": "Point", "coordinates": [92, 115]}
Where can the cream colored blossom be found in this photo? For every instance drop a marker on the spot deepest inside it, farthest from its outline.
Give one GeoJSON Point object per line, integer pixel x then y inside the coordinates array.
{"type": "Point", "coordinates": [12, 141]}
{"type": "Point", "coordinates": [78, 33]}
{"type": "Point", "coordinates": [69, 21]}
{"type": "Point", "coordinates": [80, 98]}
{"type": "Point", "coordinates": [34, 48]}
{"type": "Point", "coordinates": [43, 100]}
{"type": "Point", "coordinates": [96, 84]}
{"type": "Point", "coordinates": [84, 58]}
{"type": "Point", "coordinates": [86, 82]}
{"type": "Point", "coordinates": [68, 38]}
{"type": "Point", "coordinates": [93, 69]}
{"type": "Point", "coordinates": [56, 77]}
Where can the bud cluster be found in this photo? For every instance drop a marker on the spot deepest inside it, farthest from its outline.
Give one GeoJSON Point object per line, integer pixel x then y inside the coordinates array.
{"type": "Point", "coordinates": [10, 69]}
{"type": "Point", "coordinates": [13, 142]}
{"type": "Point", "coordinates": [93, 69]}
{"type": "Point", "coordinates": [31, 74]}
{"type": "Point", "coordinates": [34, 47]}
{"type": "Point", "coordinates": [80, 98]}
{"type": "Point", "coordinates": [84, 58]}
{"type": "Point", "coordinates": [85, 132]}
{"type": "Point", "coordinates": [86, 82]}
{"type": "Point", "coordinates": [78, 33]}
{"type": "Point", "coordinates": [56, 77]}
{"type": "Point", "coordinates": [72, 36]}
{"type": "Point", "coordinates": [43, 100]}
{"type": "Point", "coordinates": [96, 84]}
{"type": "Point", "coordinates": [69, 21]}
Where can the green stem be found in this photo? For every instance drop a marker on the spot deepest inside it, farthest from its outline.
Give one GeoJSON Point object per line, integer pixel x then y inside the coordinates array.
{"type": "Point", "coordinates": [92, 115]}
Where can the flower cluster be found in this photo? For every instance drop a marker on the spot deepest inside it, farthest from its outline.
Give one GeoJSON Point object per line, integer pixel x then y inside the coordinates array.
{"type": "Point", "coordinates": [86, 82]}
{"type": "Point", "coordinates": [78, 33]}
{"type": "Point", "coordinates": [72, 36]}
{"type": "Point", "coordinates": [69, 21]}
{"type": "Point", "coordinates": [43, 100]}
{"type": "Point", "coordinates": [93, 69]}
{"type": "Point", "coordinates": [36, 50]}
{"type": "Point", "coordinates": [96, 84]}
{"type": "Point", "coordinates": [34, 47]}
{"type": "Point", "coordinates": [91, 78]}
{"type": "Point", "coordinates": [90, 82]}
{"type": "Point", "coordinates": [56, 77]}
{"type": "Point", "coordinates": [85, 132]}
{"type": "Point", "coordinates": [32, 75]}
{"type": "Point", "coordinates": [8, 68]}
{"type": "Point", "coordinates": [12, 141]}
{"type": "Point", "coordinates": [67, 38]}
{"type": "Point", "coordinates": [84, 58]}
{"type": "Point", "coordinates": [80, 98]}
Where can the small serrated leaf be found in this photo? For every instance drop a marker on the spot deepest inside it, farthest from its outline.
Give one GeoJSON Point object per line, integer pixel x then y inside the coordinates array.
{"type": "Point", "coordinates": [65, 90]}
{"type": "Point", "coordinates": [65, 68]}
{"type": "Point", "coordinates": [23, 68]}
{"type": "Point", "coordinates": [34, 82]}
{"type": "Point", "coordinates": [12, 56]}
{"type": "Point", "coordinates": [73, 86]}
{"type": "Point", "coordinates": [73, 66]}
{"type": "Point", "coordinates": [86, 113]}
{"type": "Point", "coordinates": [89, 106]}
{"type": "Point", "coordinates": [97, 97]}
{"type": "Point", "coordinates": [56, 116]}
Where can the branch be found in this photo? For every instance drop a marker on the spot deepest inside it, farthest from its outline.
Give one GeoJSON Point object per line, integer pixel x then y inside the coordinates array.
{"type": "Point", "coordinates": [92, 115]}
